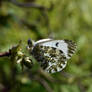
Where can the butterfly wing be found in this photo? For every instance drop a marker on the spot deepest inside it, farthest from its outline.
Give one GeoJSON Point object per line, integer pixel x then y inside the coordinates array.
{"type": "Point", "coordinates": [67, 46]}
{"type": "Point", "coordinates": [53, 54]}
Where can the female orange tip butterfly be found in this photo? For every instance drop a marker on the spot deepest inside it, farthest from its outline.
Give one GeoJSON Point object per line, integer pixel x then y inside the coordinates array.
{"type": "Point", "coordinates": [52, 55]}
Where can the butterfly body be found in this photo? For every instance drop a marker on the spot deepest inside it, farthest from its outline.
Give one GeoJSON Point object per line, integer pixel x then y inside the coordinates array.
{"type": "Point", "coordinates": [52, 55]}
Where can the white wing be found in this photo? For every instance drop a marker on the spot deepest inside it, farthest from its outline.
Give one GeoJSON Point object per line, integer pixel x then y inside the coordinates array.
{"type": "Point", "coordinates": [64, 45]}
{"type": "Point", "coordinates": [53, 54]}
{"type": "Point", "coordinates": [41, 41]}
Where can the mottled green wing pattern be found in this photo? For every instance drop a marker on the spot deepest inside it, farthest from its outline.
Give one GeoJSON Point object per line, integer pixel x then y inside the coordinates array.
{"type": "Point", "coordinates": [71, 48]}
{"type": "Point", "coordinates": [51, 59]}
{"type": "Point", "coordinates": [52, 55]}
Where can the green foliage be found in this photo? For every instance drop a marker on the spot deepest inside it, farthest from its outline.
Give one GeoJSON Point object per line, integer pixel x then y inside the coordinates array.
{"type": "Point", "coordinates": [65, 20]}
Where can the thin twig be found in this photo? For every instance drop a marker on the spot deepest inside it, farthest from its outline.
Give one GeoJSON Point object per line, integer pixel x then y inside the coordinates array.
{"type": "Point", "coordinates": [68, 75]}
{"type": "Point", "coordinates": [3, 54]}
{"type": "Point", "coordinates": [81, 86]}
{"type": "Point", "coordinates": [44, 84]}
{"type": "Point", "coordinates": [30, 5]}
{"type": "Point", "coordinates": [8, 53]}
{"type": "Point", "coordinates": [46, 75]}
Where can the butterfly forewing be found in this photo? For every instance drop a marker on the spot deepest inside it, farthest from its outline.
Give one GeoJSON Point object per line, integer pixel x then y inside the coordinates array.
{"type": "Point", "coordinates": [67, 46]}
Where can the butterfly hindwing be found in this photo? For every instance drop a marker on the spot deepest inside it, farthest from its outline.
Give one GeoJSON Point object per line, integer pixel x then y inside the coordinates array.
{"type": "Point", "coordinates": [51, 59]}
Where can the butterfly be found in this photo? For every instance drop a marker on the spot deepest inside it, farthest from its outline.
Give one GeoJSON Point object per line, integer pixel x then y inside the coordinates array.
{"type": "Point", "coordinates": [52, 55]}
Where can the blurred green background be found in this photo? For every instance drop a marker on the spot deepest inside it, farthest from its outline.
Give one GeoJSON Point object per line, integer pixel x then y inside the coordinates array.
{"type": "Point", "coordinates": [58, 19]}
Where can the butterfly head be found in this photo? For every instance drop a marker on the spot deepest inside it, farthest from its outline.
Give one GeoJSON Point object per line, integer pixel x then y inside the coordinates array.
{"type": "Point", "coordinates": [30, 44]}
